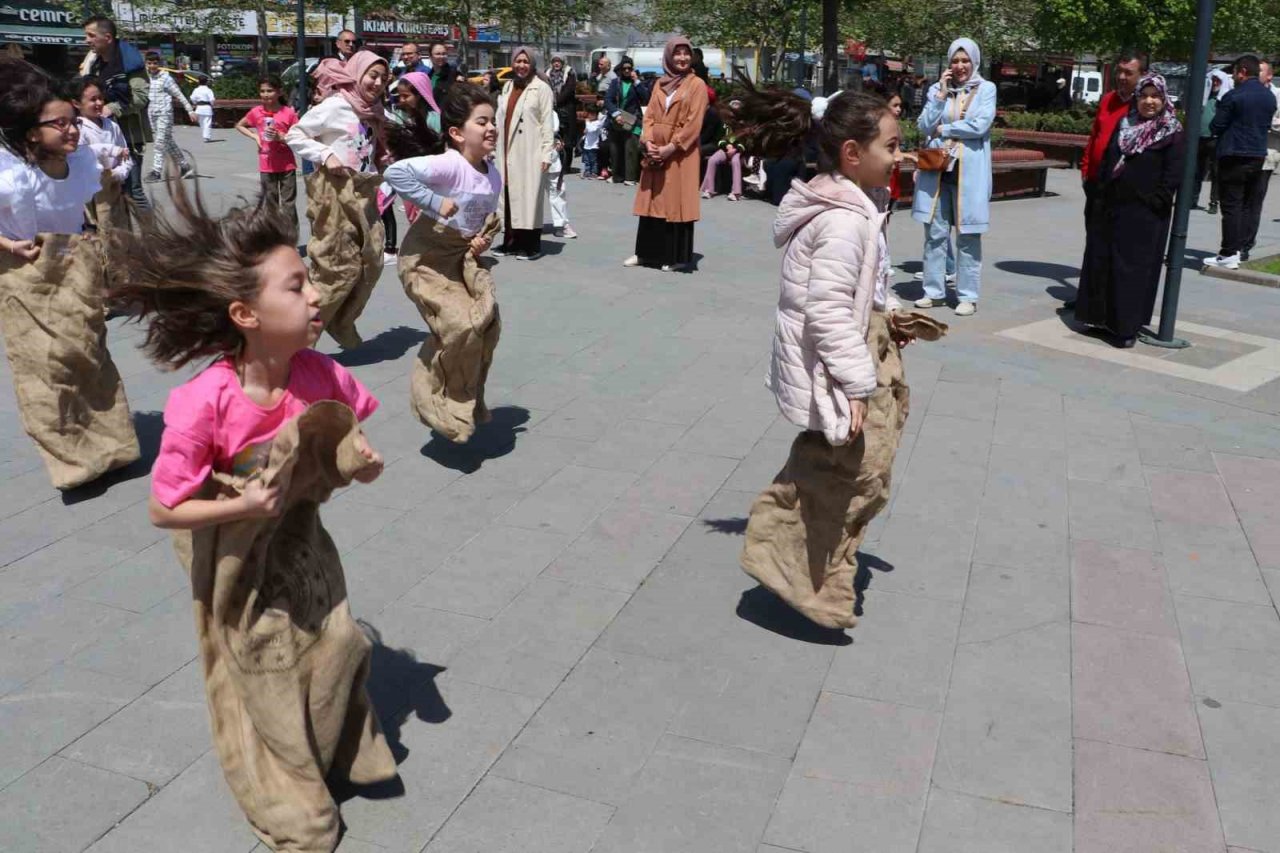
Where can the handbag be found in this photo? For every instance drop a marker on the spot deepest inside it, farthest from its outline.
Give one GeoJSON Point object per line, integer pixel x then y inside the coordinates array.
{"type": "Point", "coordinates": [625, 120]}
{"type": "Point", "coordinates": [939, 159]}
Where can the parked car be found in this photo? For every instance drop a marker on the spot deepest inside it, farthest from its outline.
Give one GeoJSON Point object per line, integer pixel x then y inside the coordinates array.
{"type": "Point", "coordinates": [502, 74]}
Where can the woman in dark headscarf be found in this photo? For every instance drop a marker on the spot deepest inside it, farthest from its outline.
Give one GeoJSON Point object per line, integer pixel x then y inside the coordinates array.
{"type": "Point", "coordinates": [564, 86]}
{"type": "Point", "coordinates": [526, 145]}
{"type": "Point", "coordinates": [667, 201]}
{"type": "Point", "coordinates": [1128, 224]}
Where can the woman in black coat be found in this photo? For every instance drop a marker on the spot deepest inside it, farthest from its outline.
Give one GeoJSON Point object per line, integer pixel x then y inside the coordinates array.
{"type": "Point", "coordinates": [564, 88]}
{"type": "Point", "coordinates": [626, 94]}
{"type": "Point", "coordinates": [1128, 221]}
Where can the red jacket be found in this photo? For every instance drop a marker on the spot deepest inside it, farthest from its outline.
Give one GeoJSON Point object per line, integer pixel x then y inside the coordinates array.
{"type": "Point", "coordinates": [1110, 111]}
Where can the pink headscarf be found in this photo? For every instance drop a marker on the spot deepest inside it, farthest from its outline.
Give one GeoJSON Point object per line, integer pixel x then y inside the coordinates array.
{"type": "Point", "coordinates": [421, 83]}
{"type": "Point", "coordinates": [334, 77]}
{"type": "Point", "coordinates": [670, 79]}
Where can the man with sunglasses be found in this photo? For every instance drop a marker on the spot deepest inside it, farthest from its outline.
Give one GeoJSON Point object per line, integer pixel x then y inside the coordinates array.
{"type": "Point", "coordinates": [122, 71]}
{"type": "Point", "coordinates": [346, 44]}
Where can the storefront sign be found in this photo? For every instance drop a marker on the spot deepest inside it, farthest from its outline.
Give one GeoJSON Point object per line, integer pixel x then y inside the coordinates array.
{"type": "Point", "coordinates": [483, 34]}
{"type": "Point", "coordinates": [38, 15]}
{"type": "Point", "coordinates": [318, 24]}
{"type": "Point", "coordinates": [389, 26]}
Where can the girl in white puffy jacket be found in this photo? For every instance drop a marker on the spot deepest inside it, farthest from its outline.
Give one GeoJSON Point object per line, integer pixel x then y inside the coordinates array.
{"type": "Point", "coordinates": [835, 371]}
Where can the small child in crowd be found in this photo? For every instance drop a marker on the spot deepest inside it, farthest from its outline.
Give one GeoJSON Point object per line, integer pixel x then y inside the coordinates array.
{"type": "Point", "coordinates": [202, 96]}
{"type": "Point", "coordinates": [591, 142]}
{"type": "Point", "coordinates": [556, 193]}
{"type": "Point", "coordinates": [266, 124]}
{"type": "Point", "coordinates": [161, 93]}
{"type": "Point", "coordinates": [102, 134]}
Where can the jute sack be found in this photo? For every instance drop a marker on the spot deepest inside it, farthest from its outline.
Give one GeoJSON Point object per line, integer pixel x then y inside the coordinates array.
{"type": "Point", "coordinates": [285, 664]}
{"type": "Point", "coordinates": [70, 396]}
{"type": "Point", "coordinates": [804, 530]}
{"type": "Point", "coordinates": [110, 207]}
{"type": "Point", "coordinates": [454, 292]}
{"type": "Point", "coordinates": [345, 249]}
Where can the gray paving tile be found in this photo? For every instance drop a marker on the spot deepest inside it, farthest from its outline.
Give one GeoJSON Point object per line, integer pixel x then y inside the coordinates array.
{"type": "Point", "coordinates": [958, 823]}
{"type": "Point", "coordinates": [728, 708]}
{"type": "Point", "coordinates": [1089, 419]}
{"type": "Point", "coordinates": [377, 578]}
{"type": "Point", "coordinates": [901, 653]}
{"type": "Point", "coordinates": [1026, 485]}
{"type": "Point", "coordinates": [1121, 466]}
{"type": "Point", "coordinates": [1016, 543]}
{"type": "Point", "coordinates": [1003, 602]}
{"type": "Point", "coordinates": [151, 647]}
{"type": "Point", "coordinates": [1169, 445]}
{"type": "Point", "coordinates": [619, 549]}
{"type": "Point", "coordinates": [631, 445]}
{"type": "Point", "coordinates": [1189, 497]}
{"type": "Point", "coordinates": [760, 466]}
{"type": "Point", "coordinates": [138, 582]}
{"type": "Point", "coordinates": [34, 642]}
{"type": "Point", "coordinates": [976, 401]}
{"type": "Point", "coordinates": [929, 557]}
{"type": "Point", "coordinates": [679, 482]}
{"type": "Point", "coordinates": [1006, 733]}
{"type": "Point", "coordinates": [1030, 428]}
{"type": "Point", "coordinates": [693, 796]}
{"type": "Point", "coordinates": [1025, 397]}
{"type": "Point", "coordinates": [446, 521]}
{"type": "Point", "coordinates": [1120, 587]}
{"type": "Point", "coordinates": [153, 739]}
{"type": "Point", "coordinates": [569, 500]}
{"type": "Point", "coordinates": [1254, 484]}
{"type": "Point", "coordinates": [1261, 526]}
{"type": "Point", "coordinates": [1130, 800]}
{"type": "Point", "coordinates": [65, 805]}
{"type": "Point", "coordinates": [727, 431]}
{"type": "Point", "coordinates": [1132, 690]}
{"type": "Point", "coordinates": [502, 815]}
{"type": "Point", "coordinates": [1212, 571]}
{"type": "Point", "coordinates": [1117, 515]}
{"type": "Point", "coordinates": [39, 577]}
{"type": "Point", "coordinates": [862, 771]}
{"type": "Point", "coordinates": [1243, 759]}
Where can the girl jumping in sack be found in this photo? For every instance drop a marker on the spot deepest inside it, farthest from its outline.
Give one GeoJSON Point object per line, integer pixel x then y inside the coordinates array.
{"type": "Point", "coordinates": [835, 372]}
{"type": "Point", "coordinates": [251, 446]}
{"type": "Point", "coordinates": [343, 137]}
{"type": "Point", "coordinates": [52, 285]}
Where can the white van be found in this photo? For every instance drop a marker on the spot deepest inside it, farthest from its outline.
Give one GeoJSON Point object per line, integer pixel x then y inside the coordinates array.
{"type": "Point", "coordinates": [648, 60]}
{"type": "Point", "coordinates": [1086, 86]}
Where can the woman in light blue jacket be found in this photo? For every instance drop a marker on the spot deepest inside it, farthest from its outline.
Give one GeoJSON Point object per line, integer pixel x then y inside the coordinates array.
{"type": "Point", "coordinates": [957, 115]}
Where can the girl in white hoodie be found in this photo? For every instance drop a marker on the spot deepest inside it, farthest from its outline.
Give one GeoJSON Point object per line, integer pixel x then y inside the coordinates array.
{"type": "Point", "coordinates": [835, 371]}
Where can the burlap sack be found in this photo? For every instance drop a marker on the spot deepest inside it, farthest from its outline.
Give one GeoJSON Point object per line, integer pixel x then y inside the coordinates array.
{"type": "Point", "coordinates": [454, 291]}
{"type": "Point", "coordinates": [804, 531]}
{"type": "Point", "coordinates": [285, 664]}
{"type": "Point", "coordinates": [70, 396]}
{"type": "Point", "coordinates": [345, 249]}
{"type": "Point", "coordinates": [110, 207]}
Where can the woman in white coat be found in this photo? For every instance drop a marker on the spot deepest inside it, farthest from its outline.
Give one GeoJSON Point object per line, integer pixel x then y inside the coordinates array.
{"type": "Point", "coordinates": [526, 144]}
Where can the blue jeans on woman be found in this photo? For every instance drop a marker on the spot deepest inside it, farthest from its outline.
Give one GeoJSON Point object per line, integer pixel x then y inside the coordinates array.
{"type": "Point", "coordinates": [937, 244]}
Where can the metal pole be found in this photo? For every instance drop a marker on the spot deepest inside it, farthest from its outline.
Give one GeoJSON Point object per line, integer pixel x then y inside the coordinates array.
{"type": "Point", "coordinates": [802, 74]}
{"type": "Point", "coordinates": [1182, 210]}
{"type": "Point", "coordinates": [300, 51]}
{"type": "Point", "coordinates": [830, 29]}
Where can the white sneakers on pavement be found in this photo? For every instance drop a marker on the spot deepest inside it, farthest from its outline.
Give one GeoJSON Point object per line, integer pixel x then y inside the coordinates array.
{"type": "Point", "coordinates": [926, 302]}
{"type": "Point", "coordinates": [633, 261]}
{"type": "Point", "coordinates": [963, 309]}
{"type": "Point", "coordinates": [966, 309]}
{"type": "Point", "coordinates": [1226, 262]}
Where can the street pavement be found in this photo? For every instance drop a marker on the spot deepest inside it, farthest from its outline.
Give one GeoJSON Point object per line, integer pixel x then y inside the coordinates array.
{"type": "Point", "coordinates": [1069, 638]}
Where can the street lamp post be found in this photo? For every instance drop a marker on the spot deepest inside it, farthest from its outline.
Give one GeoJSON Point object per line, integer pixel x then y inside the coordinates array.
{"type": "Point", "coordinates": [300, 51]}
{"type": "Point", "coordinates": [1182, 211]}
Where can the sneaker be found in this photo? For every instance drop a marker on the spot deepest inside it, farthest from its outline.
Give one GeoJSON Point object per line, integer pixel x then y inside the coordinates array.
{"type": "Point", "coordinates": [628, 183]}
{"type": "Point", "coordinates": [153, 177]}
{"type": "Point", "coordinates": [531, 256]}
{"type": "Point", "coordinates": [388, 258]}
{"type": "Point", "coordinates": [926, 302]}
{"type": "Point", "coordinates": [1213, 207]}
{"type": "Point", "coordinates": [188, 172]}
{"type": "Point", "coordinates": [674, 267]}
{"type": "Point", "coordinates": [1244, 256]}
{"type": "Point", "coordinates": [501, 250]}
{"type": "Point", "coordinates": [734, 197]}
{"type": "Point", "coordinates": [965, 309]}
{"type": "Point", "coordinates": [1228, 262]}
{"type": "Point", "coordinates": [633, 261]}
{"type": "Point", "coordinates": [568, 233]}
{"type": "Point", "coordinates": [706, 194]}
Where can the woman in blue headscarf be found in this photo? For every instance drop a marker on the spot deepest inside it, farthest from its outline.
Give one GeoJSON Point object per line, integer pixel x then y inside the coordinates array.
{"type": "Point", "coordinates": [957, 115]}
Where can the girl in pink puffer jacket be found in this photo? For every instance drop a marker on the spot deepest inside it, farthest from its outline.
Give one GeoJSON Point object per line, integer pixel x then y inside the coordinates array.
{"type": "Point", "coordinates": [835, 371]}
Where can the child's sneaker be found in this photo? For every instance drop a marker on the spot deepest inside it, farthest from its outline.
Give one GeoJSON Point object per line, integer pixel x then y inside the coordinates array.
{"type": "Point", "coordinates": [568, 233]}
{"type": "Point", "coordinates": [152, 177]}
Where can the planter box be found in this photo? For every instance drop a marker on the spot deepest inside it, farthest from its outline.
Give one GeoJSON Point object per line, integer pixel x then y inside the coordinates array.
{"type": "Point", "coordinates": [1067, 147]}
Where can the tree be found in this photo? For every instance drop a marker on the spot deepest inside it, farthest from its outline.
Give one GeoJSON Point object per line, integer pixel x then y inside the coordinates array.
{"type": "Point", "coordinates": [1164, 29]}
{"type": "Point", "coordinates": [767, 25]}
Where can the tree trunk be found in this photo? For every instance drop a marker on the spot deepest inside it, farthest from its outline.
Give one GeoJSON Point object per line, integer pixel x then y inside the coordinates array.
{"type": "Point", "coordinates": [264, 43]}
{"type": "Point", "coordinates": [830, 31]}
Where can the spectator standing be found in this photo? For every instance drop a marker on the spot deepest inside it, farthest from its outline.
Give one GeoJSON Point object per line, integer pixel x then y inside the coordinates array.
{"type": "Point", "coordinates": [564, 88]}
{"type": "Point", "coordinates": [526, 145]}
{"type": "Point", "coordinates": [410, 61]}
{"type": "Point", "coordinates": [908, 94]}
{"type": "Point", "coordinates": [1206, 149]}
{"type": "Point", "coordinates": [345, 44]}
{"type": "Point", "coordinates": [203, 98]}
{"type": "Point", "coordinates": [442, 73]}
{"type": "Point", "coordinates": [267, 124]}
{"type": "Point", "coordinates": [1242, 123]}
{"type": "Point", "coordinates": [122, 71]}
{"type": "Point", "coordinates": [622, 102]}
{"type": "Point", "coordinates": [1265, 75]}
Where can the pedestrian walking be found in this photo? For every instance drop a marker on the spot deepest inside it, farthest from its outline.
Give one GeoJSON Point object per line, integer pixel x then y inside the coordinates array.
{"type": "Point", "coordinates": [122, 70]}
{"type": "Point", "coordinates": [161, 94]}
{"type": "Point", "coordinates": [1129, 219]}
{"type": "Point", "coordinates": [203, 98]}
{"type": "Point", "coordinates": [667, 202]}
{"type": "Point", "coordinates": [1241, 124]}
{"type": "Point", "coordinates": [267, 124]}
{"type": "Point", "coordinates": [953, 184]}
{"type": "Point", "coordinates": [525, 146]}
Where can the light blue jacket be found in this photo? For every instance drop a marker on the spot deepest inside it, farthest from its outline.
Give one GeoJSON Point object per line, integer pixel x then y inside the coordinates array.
{"type": "Point", "coordinates": [973, 133]}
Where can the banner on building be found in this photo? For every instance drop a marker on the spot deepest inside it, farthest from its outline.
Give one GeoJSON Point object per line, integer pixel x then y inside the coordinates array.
{"type": "Point", "coordinates": [385, 26]}
{"type": "Point", "coordinates": [483, 34]}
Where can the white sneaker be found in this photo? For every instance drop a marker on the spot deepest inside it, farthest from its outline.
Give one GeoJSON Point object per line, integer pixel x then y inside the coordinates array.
{"type": "Point", "coordinates": [950, 277]}
{"type": "Point", "coordinates": [1226, 262]}
{"type": "Point", "coordinates": [706, 194]}
{"type": "Point", "coordinates": [926, 302]}
{"type": "Point", "coordinates": [966, 309]}
{"type": "Point", "coordinates": [633, 261]}
{"type": "Point", "coordinates": [388, 259]}
{"type": "Point", "coordinates": [568, 233]}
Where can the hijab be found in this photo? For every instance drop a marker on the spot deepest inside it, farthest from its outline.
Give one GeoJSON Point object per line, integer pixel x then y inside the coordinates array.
{"type": "Point", "coordinates": [421, 83]}
{"type": "Point", "coordinates": [971, 49]}
{"type": "Point", "coordinates": [338, 78]}
{"type": "Point", "coordinates": [670, 79]}
{"type": "Point", "coordinates": [554, 77]}
{"type": "Point", "coordinates": [534, 58]}
{"type": "Point", "coordinates": [1138, 134]}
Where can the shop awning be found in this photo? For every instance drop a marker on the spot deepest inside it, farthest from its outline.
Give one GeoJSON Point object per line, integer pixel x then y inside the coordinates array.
{"type": "Point", "coordinates": [40, 35]}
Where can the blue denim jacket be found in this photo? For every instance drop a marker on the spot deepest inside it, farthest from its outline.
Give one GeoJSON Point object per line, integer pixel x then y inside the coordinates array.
{"type": "Point", "coordinates": [1243, 119]}
{"type": "Point", "coordinates": [973, 135]}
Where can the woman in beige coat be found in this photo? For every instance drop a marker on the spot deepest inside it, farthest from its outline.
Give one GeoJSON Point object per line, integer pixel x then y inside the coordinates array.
{"type": "Point", "coordinates": [526, 145]}
{"type": "Point", "coordinates": [667, 201]}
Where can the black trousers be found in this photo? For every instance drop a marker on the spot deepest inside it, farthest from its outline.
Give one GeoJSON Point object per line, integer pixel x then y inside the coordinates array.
{"type": "Point", "coordinates": [662, 243]}
{"type": "Point", "coordinates": [521, 241]}
{"type": "Point", "coordinates": [1239, 186]}
{"type": "Point", "coordinates": [625, 155]}
{"type": "Point", "coordinates": [1207, 167]}
{"type": "Point", "coordinates": [389, 226]}
{"type": "Point", "coordinates": [1263, 181]}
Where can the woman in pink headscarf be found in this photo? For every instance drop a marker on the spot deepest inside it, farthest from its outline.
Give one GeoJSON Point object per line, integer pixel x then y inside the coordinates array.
{"type": "Point", "coordinates": [343, 136]}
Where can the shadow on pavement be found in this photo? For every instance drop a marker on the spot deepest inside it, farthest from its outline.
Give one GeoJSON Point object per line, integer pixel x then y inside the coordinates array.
{"type": "Point", "coordinates": [1057, 273]}
{"type": "Point", "coordinates": [492, 440]}
{"type": "Point", "coordinates": [148, 426]}
{"type": "Point", "coordinates": [762, 608]}
{"type": "Point", "coordinates": [1194, 259]}
{"type": "Point", "coordinates": [727, 526]}
{"type": "Point", "coordinates": [387, 346]}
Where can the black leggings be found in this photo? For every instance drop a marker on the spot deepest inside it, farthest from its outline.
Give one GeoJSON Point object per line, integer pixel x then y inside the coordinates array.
{"type": "Point", "coordinates": [389, 225]}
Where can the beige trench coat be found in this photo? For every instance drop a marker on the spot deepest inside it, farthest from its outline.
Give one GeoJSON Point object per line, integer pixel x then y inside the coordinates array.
{"type": "Point", "coordinates": [531, 144]}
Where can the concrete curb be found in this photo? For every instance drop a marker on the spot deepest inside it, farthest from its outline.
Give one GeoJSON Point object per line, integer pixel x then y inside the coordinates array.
{"type": "Point", "coordinates": [1245, 275]}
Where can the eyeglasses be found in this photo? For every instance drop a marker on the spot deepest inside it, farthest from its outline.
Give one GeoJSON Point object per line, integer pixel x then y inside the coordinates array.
{"type": "Point", "coordinates": [346, 41]}
{"type": "Point", "coordinates": [61, 124]}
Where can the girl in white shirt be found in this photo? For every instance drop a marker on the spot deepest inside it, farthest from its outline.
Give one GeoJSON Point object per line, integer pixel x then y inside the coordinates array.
{"type": "Point", "coordinates": [52, 284]}
{"type": "Point", "coordinates": [103, 136]}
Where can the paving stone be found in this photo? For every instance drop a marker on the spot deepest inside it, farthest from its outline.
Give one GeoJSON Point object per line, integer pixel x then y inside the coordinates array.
{"type": "Point", "coordinates": [631, 445]}
{"type": "Point", "coordinates": [65, 805]}
{"type": "Point", "coordinates": [1003, 602]}
{"type": "Point", "coordinates": [194, 813]}
{"type": "Point", "coordinates": [1017, 396]}
{"type": "Point", "coordinates": [1254, 484]}
{"type": "Point", "coordinates": [1030, 428]}
{"type": "Point", "coordinates": [37, 578]}
{"type": "Point", "coordinates": [1232, 650]}
{"type": "Point", "coordinates": [1027, 485]}
{"type": "Point", "coordinates": [138, 582]}
{"type": "Point", "coordinates": [964, 400]}
{"type": "Point", "coordinates": [1123, 588]}
{"type": "Point", "coordinates": [377, 578]}
{"type": "Point", "coordinates": [405, 484]}
{"type": "Point", "coordinates": [727, 431]}
{"type": "Point", "coordinates": [862, 772]}
{"type": "Point", "coordinates": [1120, 466]}
{"type": "Point", "coordinates": [934, 565]}
{"type": "Point", "coordinates": [1264, 537]}
{"type": "Point", "coordinates": [619, 549]}
{"type": "Point", "coordinates": [1190, 497]}
{"type": "Point", "coordinates": [761, 465]}
{"type": "Point", "coordinates": [693, 796]}
{"type": "Point", "coordinates": [487, 573]}
{"type": "Point", "coordinates": [1117, 515]}
{"type": "Point", "coordinates": [1130, 800]}
{"type": "Point", "coordinates": [1006, 733]}
{"type": "Point", "coordinates": [151, 647]}
{"type": "Point", "coordinates": [727, 707]}
{"type": "Point", "coordinates": [958, 823]}
{"type": "Point", "coordinates": [1090, 420]}
{"type": "Point", "coordinates": [445, 522]}
{"type": "Point", "coordinates": [128, 530]}
{"type": "Point", "coordinates": [1132, 690]}
{"type": "Point", "coordinates": [1211, 571]}
{"type": "Point", "coordinates": [33, 643]}
{"type": "Point", "coordinates": [1243, 759]}
{"type": "Point", "coordinates": [501, 815]}
{"type": "Point", "coordinates": [1168, 445]}
{"type": "Point", "coordinates": [569, 501]}
{"type": "Point", "coordinates": [901, 652]}
{"type": "Point", "coordinates": [679, 483]}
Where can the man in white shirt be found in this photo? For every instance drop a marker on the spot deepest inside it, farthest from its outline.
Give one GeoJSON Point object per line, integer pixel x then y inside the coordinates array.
{"type": "Point", "coordinates": [203, 98]}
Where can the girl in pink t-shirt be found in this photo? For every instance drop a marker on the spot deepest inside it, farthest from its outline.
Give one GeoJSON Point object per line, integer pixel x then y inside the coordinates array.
{"type": "Point", "coordinates": [266, 124]}
{"type": "Point", "coordinates": [233, 289]}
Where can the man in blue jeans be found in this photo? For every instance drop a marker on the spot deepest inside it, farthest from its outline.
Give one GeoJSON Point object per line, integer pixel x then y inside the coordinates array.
{"type": "Point", "coordinates": [1241, 125]}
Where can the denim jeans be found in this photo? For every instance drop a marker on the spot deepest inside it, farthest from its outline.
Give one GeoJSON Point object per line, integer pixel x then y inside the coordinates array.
{"type": "Point", "coordinates": [937, 240]}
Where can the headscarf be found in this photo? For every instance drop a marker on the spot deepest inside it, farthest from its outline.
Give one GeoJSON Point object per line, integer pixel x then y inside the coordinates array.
{"type": "Point", "coordinates": [970, 47]}
{"type": "Point", "coordinates": [554, 77]}
{"type": "Point", "coordinates": [334, 77]}
{"type": "Point", "coordinates": [534, 60]}
{"type": "Point", "coordinates": [421, 83]}
{"type": "Point", "coordinates": [670, 79]}
{"type": "Point", "coordinates": [1138, 135]}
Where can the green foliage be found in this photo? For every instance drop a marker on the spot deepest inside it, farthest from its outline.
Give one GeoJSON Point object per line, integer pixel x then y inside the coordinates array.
{"type": "Point", "coordinates": [236, 86]}
{"type": "Point", "coordinates": [1162, 28]}
{"type": "Point", "coordinates": [769, 25]}
{"type": "Point", "coordinates": [1062, 122]}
